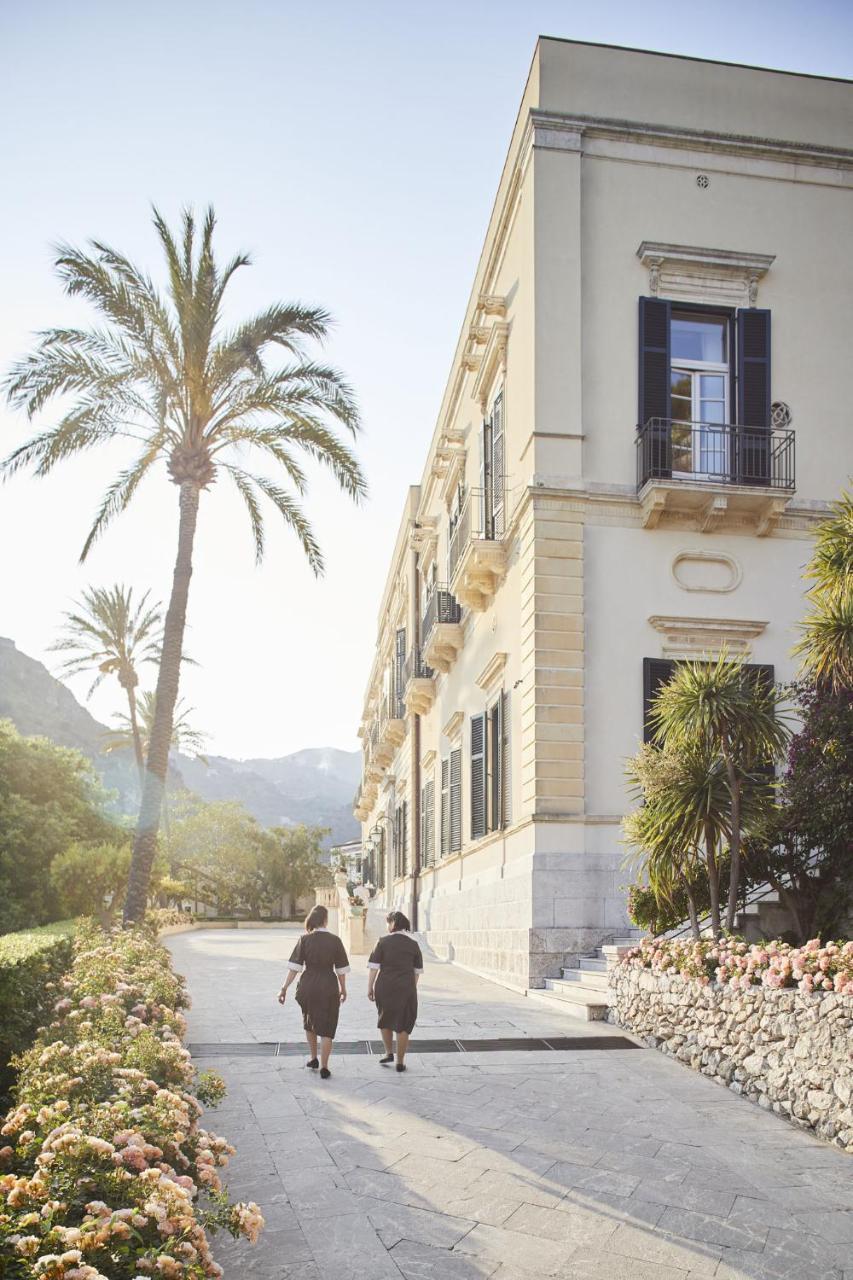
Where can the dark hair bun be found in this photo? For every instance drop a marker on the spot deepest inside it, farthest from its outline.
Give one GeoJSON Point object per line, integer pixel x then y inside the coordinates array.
{"type": "Point", "coordinates": [317, 918]}
{"type": "Point", "coordinates": [399, 921]}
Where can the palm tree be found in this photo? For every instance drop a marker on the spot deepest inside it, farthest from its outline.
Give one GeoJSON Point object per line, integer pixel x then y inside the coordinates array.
{"type": "Point", "coordinates": [721, 709]}
{"type": "Point", "coordinates": [827, 644]}
{"type": "Point", "coordinates": [163, 371]}
{"type": "Point", "coordinates": [109, 634]}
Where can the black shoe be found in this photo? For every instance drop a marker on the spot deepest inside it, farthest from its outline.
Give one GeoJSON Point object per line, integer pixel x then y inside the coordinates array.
{"type": "Point", "coordinates": [389, 1057]}
{"type": "Point", "coordinates": [401, 1066]}
{"type": "Point", "coordinates": [324, 1073]}
{"type": "Point", "coordinates": [313, 1064]}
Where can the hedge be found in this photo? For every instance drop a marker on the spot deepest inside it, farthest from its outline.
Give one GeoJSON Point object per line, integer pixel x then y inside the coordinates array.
{"type": "Point", "coordinates": [29, 962]}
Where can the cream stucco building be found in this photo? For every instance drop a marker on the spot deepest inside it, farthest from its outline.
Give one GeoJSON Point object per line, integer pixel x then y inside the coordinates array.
{"type": "Point", "coordinates": [646, 413]}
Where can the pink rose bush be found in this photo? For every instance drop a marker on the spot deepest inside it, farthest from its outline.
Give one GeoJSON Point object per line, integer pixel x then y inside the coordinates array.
{"type": "Point", "coordinates": [739, 965]}
{"type": "Point", "coordinates": [106, 1172]}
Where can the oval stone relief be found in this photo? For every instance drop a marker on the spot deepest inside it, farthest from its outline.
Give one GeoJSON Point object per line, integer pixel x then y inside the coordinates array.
{"type": "Point", "coordinates": [706, 571]}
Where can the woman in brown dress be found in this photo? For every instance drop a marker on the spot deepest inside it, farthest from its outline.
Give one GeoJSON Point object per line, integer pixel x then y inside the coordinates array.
{"type": "Point", "coordinates": [394, 969]}
{"type": "Point", "coordinates": [319, 956]}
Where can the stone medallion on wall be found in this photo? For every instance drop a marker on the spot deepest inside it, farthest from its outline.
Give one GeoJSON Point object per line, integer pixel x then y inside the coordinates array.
{"type": "Point", "coordinates": [707, 571]}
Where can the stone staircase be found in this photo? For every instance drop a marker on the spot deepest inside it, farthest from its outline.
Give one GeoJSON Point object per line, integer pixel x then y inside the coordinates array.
{"type": "Point", "coordinates": [582, 990]}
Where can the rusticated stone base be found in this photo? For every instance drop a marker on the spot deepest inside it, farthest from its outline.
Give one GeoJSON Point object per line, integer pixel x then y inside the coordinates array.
{"type": "Point", "coordinates": [790, 1052]}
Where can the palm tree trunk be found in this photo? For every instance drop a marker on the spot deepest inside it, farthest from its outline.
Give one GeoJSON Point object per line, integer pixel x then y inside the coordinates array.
{"type": "Point", "coordinates": [734, 844]}
{"type": "Point", "coordinates": [145, 840]}
{"type": "Point", "coordinates": [137, 738]}
{"type": "Point", "coordinates": [713, 878]}
{"type": "Point", "coordinates": [693, 913]}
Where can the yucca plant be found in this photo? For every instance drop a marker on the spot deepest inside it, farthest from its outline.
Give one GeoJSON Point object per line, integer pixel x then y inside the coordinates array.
{"type": "Point", "coordinates": [720, 709]}
{"type": "Point", "coordinates": [110, 634]}
{"type": "Point", "coordinates": [164, 372]}
{"type": "Point", "coordinates": [826, 648]}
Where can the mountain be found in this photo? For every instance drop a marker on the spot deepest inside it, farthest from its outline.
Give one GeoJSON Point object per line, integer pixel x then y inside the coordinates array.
{"type": "Point", "coordinates": [315, 786]}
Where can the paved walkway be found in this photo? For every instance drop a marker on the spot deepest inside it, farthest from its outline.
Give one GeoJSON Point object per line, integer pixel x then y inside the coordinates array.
{"type": "Point", "coordinates": [582, 1165]}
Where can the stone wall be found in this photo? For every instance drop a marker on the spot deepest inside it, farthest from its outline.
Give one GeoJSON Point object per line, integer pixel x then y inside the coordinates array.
{"type": "Point", "coordinates": [790, 1052]}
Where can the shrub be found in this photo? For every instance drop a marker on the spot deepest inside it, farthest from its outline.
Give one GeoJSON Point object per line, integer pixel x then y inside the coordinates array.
{"type": "Point", "coordinates": [91, 878]}
{"type": "Point", "coordinates": [739, 964]}
{"type": "Point", "coordinates": [111, 1175]}
{"type": "Point", "coordinates": [29, 963]}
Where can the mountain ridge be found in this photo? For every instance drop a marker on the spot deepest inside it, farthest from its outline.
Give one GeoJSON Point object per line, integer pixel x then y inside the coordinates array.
{"type": "Point", "coordinates": [314, 785]}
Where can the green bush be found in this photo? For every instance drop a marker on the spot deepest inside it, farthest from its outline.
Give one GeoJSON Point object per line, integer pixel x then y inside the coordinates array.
{"type": "Point", "coordinates": [29, 962]}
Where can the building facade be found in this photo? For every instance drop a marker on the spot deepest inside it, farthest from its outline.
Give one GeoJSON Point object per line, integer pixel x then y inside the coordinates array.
{"type": "Point", "coordinates": [645, 416]}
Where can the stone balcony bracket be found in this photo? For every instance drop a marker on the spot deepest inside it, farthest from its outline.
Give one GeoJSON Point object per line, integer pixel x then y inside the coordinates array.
{"type": "Point", "coordinates": [420, 695]}
{"type": "Point", "coordinates": [443, 645]}
{"type": "Point", "coordinates": [481, 570]}
{"type": "Point", "coordinates": [392, 734]}
{"type": "Point", "coordinates": [709, 508]}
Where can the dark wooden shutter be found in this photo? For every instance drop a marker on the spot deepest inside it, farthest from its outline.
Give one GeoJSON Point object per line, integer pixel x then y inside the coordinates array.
{"type": "Point", "coordinates": [498, 480]}
{"type": "Point", "coordinates": [456, 800]}
{"type": "Point", "coordinates": [478, 776]}
{"type": "Point", "coordinates": [428, 823]}
{"type": "Point", "coordinates": [399, 673]}
{"type": "Point", "coordinates": [445, 808]}
{"type": "Point", "coordinates": [655, 401]}
{"type": "Point", "coordinates": [753, 396]}
{"type": "Point", "coordinates": [506, 778]}
{"type": "Point", "coordinates": [656, 671]}
{"type": "Point", "coordinates": [404, 836]}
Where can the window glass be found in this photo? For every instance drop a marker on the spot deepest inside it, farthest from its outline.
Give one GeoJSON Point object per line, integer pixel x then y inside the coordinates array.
{"type": "Point", "coordinates": [697, 337]}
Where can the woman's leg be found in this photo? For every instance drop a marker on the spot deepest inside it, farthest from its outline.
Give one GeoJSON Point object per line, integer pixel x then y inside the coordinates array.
{"type": "Point", "coordinates": [311, 1037]}
{"type": "Point", "coordinates": [387, 1039]}
{"type": "Point", "coordinates": [325, 1051]}
{"type": "Point", "coordinates": [402, 1045]}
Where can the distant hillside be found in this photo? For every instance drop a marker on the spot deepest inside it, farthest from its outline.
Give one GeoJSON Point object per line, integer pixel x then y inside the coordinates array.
{"type": "Point", "coordinates": [314, 786]}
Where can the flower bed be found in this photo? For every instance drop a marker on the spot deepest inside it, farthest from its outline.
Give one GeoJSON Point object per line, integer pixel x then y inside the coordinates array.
{"type": "Point", "coordinates": [740, 965]}
{"type": "Point", "coordinates": [773, 1023]}
{"type": "Point", "coordinates": [107, 1172]}
{"type": "Point", "coordinates": [29, 961]}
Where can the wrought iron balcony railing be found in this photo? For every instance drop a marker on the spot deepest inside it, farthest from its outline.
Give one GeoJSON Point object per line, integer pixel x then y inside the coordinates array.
{"type": "Point", "coordinates": [480, 519]}
{"type": "Point", "coordinates": [442, 606]}
{"type": "Point", "coordinates": [715, 452]}
{"type": "Point", "coordinates": [414, 668]}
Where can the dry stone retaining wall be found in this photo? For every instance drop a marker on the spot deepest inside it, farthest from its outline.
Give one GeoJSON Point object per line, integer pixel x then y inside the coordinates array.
{"type": "Point", "coordinates": [790, 1052]}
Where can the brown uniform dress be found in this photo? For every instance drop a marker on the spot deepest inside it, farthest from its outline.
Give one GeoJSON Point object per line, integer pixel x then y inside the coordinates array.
{"type": "Point", "coordinates": [320, 956]}
{"type": "Point", "coordinates": [398, 958]}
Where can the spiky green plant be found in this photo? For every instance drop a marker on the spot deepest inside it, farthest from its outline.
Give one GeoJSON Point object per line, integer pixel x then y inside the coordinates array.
{"type": "Point", "coordinates": [165, 373]}
{"type": "Point", "coordinates": [721, 709]}
{"type": "Point", "coordinates": [110, 634]}
{"type": "Point", "coordinates": [826, 647]}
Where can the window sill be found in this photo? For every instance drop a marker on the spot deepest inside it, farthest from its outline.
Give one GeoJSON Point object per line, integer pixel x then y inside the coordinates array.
{"type": "Point", "coordinates": [710, 506]}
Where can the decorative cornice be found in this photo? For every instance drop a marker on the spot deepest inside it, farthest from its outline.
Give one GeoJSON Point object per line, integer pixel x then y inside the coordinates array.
{"type": "Point", "coordinates": [492, 360]}
{"type": "Point", "coordinates": [453, 729]}
{"type": "Point", "coordinates": [492, 304]}
{"type": "Point", "coordinates": [690, 637]}
{"type": "Point", "coordinates": [492, 672]}
{"type": "Point", "coordinates": [693, 271]}
{"type": "Point", "coordinates": [428, 760]}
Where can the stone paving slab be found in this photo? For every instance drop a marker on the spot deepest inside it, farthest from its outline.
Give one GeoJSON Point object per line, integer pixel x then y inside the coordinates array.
{"type": "Point", "coordinates": [578, 1165]}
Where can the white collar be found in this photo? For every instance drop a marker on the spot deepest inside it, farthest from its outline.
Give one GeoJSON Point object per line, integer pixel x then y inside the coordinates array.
{"type": "Point", "coordinates": [321, 928]}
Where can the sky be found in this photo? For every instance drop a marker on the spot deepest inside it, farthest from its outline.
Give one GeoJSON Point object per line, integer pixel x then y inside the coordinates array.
{"type": "Point", "coordinates": [354, 150]}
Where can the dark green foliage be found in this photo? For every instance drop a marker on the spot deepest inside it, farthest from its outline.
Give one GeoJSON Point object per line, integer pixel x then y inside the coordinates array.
{"type": "Point", "coordinates": [29, 962]}
{"type": "Point", "coordinates": [809, 860]}
{"type": "Point", "coordinates": [49, 798]}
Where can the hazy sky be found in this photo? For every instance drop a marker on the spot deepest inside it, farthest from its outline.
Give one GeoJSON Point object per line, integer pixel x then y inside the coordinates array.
{"type": "Point", "coordinates": [355, 150]}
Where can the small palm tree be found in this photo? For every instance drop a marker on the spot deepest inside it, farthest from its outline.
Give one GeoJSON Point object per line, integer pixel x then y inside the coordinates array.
{"type": "Point", "coordinates": [827, 644]}
{"type": "Point", "coordinates": [721, 709]}
{"type": "Point", "coordinates": [110, 634]}
{"type": "Point", "coordinates": [163, 372]}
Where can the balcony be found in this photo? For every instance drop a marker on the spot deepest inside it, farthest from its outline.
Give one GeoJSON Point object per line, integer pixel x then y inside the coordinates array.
{"type": "Point", "coordinates": [392, 727]}
{"type": "Point", "coordinates": [715, 475]}
{"type": "Point", "coordinates": [418, 684]}
{"type": "Point", "coordinates": [441, 630]}
{"type": "Point", "coordinates": [476, 550]}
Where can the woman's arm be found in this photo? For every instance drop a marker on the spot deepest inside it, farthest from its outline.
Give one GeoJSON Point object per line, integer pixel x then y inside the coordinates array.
{"type": "Point", "coordinates": [371, 983]}
{"type": "Point", "coordinates": [342, 983]}
{"type": "Point", "coordinates": [282, 995]}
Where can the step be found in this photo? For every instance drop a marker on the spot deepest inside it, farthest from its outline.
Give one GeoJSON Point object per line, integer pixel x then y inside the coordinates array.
{"type": "Point", "coordinates": [591, 979]}
{"type": "Point", "coordinates": [577, 1000]}
{"type": "Point", "coordinates": [593, 964]}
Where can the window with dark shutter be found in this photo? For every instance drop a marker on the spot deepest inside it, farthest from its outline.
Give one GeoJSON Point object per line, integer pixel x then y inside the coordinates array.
{"type": "Point", "coordinates": [497, 470]}
{"type": "Point", "coordinates": [428, 824]}
{"type": "Point", "coordinates": [506, 788]}
{"type": "Point", "coordinates": [445, 808]}
{"type": "Point", "coordinates": [656, 672]}
{"type": "Point", "coordinates": [399, 673]}
{"type": "Point", "coordinates": [654, 386]}
{"type": "Point", "coordinates": [753, 396]}
{"type": "Point", "coordinates": [456, 800]}
{"type": "Point", "coordinates": [478, 777]}
{"type": "Point", "coordinates": [404, 838]}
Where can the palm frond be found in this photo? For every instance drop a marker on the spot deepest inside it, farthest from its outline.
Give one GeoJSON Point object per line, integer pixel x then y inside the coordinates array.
{"type": "Point", "coordinates": [120, 493]}
{"type": "Point", "coordinates": [293, 516]}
